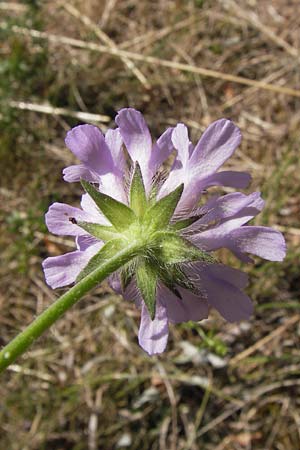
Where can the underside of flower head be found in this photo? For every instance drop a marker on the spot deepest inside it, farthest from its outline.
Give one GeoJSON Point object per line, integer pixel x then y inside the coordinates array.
{"type": "Point", "coordinates": [174, 277]}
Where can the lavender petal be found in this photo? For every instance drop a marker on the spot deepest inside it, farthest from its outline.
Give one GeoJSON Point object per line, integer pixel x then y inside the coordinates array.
{"type": "Point", "coordinates": [88, 144]}
{"type": "Point", "coordinates": [233, 304]}
{"type": "Point", "coordinates": [261, 241]}
{"type": "Point", "coordinates": [190, 307]}
{"type": "Point", "coordinates": [63, 270]}
{"type": "Point", "coordinates": [59, 219]}
{"type": "Point", "coordinates": [215, 146]}
{"type": "Point", "coordinates": [153, 334]}
{"type": "Point", "coordinates": [77, 172]}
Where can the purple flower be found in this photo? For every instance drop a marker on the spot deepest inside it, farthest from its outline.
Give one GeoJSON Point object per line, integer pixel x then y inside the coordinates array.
{"type": "Point", "coordinates": [177, 279]}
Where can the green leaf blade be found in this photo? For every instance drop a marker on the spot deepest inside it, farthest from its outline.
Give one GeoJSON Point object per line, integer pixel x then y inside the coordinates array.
{"type": "Point", "coordinates": [119, 214]}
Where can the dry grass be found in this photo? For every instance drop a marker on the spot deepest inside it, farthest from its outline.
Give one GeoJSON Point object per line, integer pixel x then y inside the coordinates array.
{"type": "Point", "coordinates": [86, 384]}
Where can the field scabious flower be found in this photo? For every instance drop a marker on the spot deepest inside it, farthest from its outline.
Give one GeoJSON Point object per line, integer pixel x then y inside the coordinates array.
{"type": "Point", "coordinates": [175, 278]}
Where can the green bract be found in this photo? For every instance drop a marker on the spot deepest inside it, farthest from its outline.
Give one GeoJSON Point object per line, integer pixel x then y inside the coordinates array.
{"type": "Point", "coordinates": [148, 224]}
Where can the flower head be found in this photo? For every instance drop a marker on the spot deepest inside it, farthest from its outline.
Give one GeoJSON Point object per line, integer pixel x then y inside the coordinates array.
{"type": "Point", "coordinates": [175, 277]}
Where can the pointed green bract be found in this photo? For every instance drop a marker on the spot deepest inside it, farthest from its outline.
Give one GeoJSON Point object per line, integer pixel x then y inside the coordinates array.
{"type": "Point", "coordinates": [158, 181]}
{"type": "Point", "coordinates": [102, 232]}
{"type": "Point", "coordinates": [127, 274]}
{"type": "Point", "coordinates": [172, 275]}
{"type": "Point", "coordinates": [165, 250]}
{"type": "Point", "coordinates": [146, 280]}
{"type": "Point", "coordinates": [174, 249]}
{"type": "Point", "coordinates": [138, 199]}
{"type": "Point", "coordinates": [107, 251]}
{"type": "Point", "coordinates": [160, 214]}
{"type": "Point", "coordinates": [120, 215]}
{"type": "Point", "coordinates": [184, 223]}
{"type": "Point", "coordinates": [168, 281]}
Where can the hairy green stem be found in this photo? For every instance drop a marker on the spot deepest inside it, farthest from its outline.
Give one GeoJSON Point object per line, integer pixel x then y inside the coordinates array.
{"type": "Point", "coordinates": [22, 341]}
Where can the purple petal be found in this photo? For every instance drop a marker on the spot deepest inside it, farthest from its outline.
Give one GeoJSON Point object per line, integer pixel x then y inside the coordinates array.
{"type": "Point", "coordinates": [114, 282]}
{"type": "Point", "coordinates": [153, 334]}
{"type": "Point", "coordinates": [114, 186]}
{"type": "Point", "coordinates": [77, 172]}
{"type": "Point", "coordinates": [85, 241]}
{"type": "Point", "coordinates": [180, 172]}
{"type": "Point", "coordinates": [113, 183]}
{"type": "Point", "coordinates": [95, 215]}
{"type": "Point", "coordinates": [195, 167]}
{"type": "Point", "coordinates": [190, 307]}
{"type": "Point", "coordinates": [261, 241]}
{"type": "Point", "coordinates": [233, 213]}
{"type": "Point", "coordinates": [233, 304]}
{"type": "Point", "coordinates": [58, 219]}
{"type": "Point", "coordinates": [229, 206]}
{"type": "Point", "coordinates": [181, 142]}
{"type": "Point", "coordinates": [215, 146]}
{"type": "Point", "coordinates": [132, 294]}
{"type": "Point", "coordinates": [88, 144]}
{"type": "Point", "coordinates": [161, 150]}
{"type": "Point", "coordinates": [135, 134]}
{"type": "Point", "coordinates": [233, 276]}
{"type": "Point", "coordinates": [137, 138]}
{"type": "Point", "coordinates": [239, 180]}
{"type": "Point", "coordinates": [114, 142]}
{"type": "Point", "coordinates": [175, 178]}
{"type": "Point", "coordinates": [195, 184]}
{"type": "Point", "coordinates": [64, 269]}
{"type": "Point", "coordinates": [190, 196]}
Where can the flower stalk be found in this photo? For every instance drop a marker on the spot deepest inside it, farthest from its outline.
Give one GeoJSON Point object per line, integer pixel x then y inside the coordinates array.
{"type": "Point", "coordinates": [21, 342]}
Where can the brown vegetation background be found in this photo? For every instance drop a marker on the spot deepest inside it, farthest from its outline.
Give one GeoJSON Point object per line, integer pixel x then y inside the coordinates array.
{"type": "Point", "coordinates": [86, 384]}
